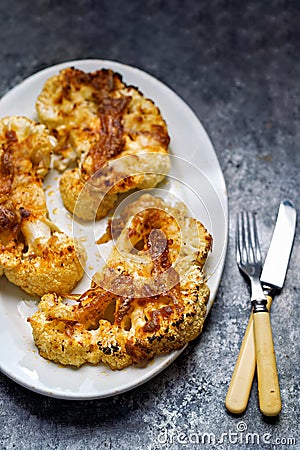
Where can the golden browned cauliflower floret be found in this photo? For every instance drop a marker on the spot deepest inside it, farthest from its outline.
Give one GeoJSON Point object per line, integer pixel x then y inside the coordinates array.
{"type": "Point", "coordinates": [34, 254]}
{"type": "Point", "coordinates": [146, 301]}
{"type": "Point", "coordinates": [98, 120]}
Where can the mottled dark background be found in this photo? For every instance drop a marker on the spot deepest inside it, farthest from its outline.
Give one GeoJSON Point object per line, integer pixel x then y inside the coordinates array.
{"type": "Point", "coordinates": [236, 63]}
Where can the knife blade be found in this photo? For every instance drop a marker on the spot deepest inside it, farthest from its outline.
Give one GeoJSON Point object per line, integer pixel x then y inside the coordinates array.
{"type": "Point", "coordinates": [272, 278]}
{"type": "Point", "coordinates": [278, 256]}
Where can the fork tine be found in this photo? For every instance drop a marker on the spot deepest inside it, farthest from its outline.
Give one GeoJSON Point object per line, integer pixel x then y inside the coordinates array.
{"type": "Point", "coordinates": [249, 236]}
{"type": "Point", "coordinates": [239, 236]}
{"type": "Point", "coordinates": [256, 241]}
{"type": "Point", "coordinates": [242, 233]}
{"type": "Point", "coordinates": [254, 247]}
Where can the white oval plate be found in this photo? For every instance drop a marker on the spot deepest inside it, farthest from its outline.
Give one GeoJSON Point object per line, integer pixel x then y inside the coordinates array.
{"type": "Point", "coordinates": [196, 178]}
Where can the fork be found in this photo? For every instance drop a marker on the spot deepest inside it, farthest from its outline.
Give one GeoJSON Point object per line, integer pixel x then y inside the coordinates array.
{"type": "Point", "coordinates": [249, 262]}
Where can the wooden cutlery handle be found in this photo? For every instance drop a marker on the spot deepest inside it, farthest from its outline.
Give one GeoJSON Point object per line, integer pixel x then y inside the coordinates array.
{"type": "Point", "coordinates": [240, 386]}
{"type": "Point", "coordinates": [267, 377]}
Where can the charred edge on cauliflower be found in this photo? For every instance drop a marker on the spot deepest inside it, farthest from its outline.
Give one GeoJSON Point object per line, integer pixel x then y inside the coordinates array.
{"type": "Point", "coordinates": [109, 99]}
{"type": "Point", "coordinates": [33, 254]}
{"type": "Point", "coordinates": [120, 330]}
{"type": "Point", "coordinates": [97, 118]}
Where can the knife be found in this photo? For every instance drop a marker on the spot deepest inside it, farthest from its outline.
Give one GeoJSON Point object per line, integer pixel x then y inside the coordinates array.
{"type": "Point", "coordinates": [272, 279]}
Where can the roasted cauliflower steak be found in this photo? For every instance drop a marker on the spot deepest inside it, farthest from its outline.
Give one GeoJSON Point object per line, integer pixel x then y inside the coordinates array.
{"type": "Point", "coordinates": [98, 120]}
{"type": "Point", "coordinates": [34, 254]}
{"type": "Point", "coordinates": [147, 300]}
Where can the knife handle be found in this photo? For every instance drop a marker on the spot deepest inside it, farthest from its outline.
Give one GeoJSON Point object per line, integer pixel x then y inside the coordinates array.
{"type": "Point", "coordinates": [240, 386]}
{"type": "Point", "coordinates": [267, 377]}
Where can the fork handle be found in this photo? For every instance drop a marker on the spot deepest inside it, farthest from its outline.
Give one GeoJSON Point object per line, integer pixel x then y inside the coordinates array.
{"type": "Point", "coordinates": [267, 377]}
{"type": "Point", "coordinates": [242, 378]}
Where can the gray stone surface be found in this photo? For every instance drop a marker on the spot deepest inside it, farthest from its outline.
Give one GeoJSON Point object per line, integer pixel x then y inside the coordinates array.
{"type": "Point", "coordinates": [237, 65]}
